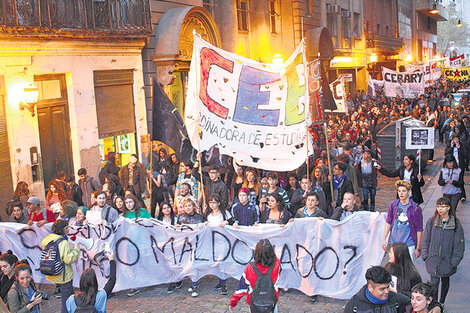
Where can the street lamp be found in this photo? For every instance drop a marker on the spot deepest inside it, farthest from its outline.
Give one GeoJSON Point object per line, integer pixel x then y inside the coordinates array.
{"type": "Point", "coordinates": [373, 58]}
{"type": "Point", "coordinates": [434, 9]}
{"type": "Point", "coordinates": [459, 24]}
{"type": "Point", "coordinates": [29, 98]}
{"type": "Point", "coordinates": [408, 58]}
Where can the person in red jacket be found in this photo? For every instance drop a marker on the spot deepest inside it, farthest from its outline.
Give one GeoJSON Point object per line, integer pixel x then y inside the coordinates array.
{"type": "Point", "coordinates": [264, 259]}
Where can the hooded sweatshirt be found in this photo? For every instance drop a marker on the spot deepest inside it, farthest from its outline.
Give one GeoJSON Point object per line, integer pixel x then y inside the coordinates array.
{"type": "Point", "coordinates": [67, 256]}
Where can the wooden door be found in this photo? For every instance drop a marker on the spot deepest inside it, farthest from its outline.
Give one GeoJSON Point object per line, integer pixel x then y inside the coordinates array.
{"type": "Point", "coordinates": [54, 126]}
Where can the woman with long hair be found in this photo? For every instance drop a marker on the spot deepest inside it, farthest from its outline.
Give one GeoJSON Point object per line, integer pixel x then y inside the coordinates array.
{"type": "Point", "coordinates": [401, 266]}
{"type": "Point", "coordinates": [276, 213]}
{"type": "Point", "coordinates": [237, 183]}
{"type": "Point", "coordinates": [265, 262]}
{"type": "Point", "coordinates": [119, 204]}
{"type": "Point", "coordinates": [215, 214]}
{"type": "Point", "coordinates": [318, 177]}
{"type": "Point", "coordinates": [166, 214]}
{"type": "Point", "coordinates": [252, 183]}
{"type": "Point", "coordinates": [21, 194]}
{"type": "Point", "coordinates": [443, 246]}
{"type": "Point", "coordinates": [408, 171]}
{"type": "Point", "coordinates": [7, 277]}
{"type": "Point", "coordinates": [132, 208]}
{"type": "Point", "coordinates": [22, 296]}
{"type": "Point", "coordinates": [55, 195]}
{"type": "Point", "coordinates": [89, 296]}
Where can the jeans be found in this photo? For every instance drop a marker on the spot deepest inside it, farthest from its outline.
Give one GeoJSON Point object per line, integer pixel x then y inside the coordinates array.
{"type": "Point", "coordinates": [66, 290]}
{"type": "Point", "coordinates": [366, 192]}
{"type": "Point", "coordinates": [444, 288]}
{"type": "Point", "coordinates": [454, 201]}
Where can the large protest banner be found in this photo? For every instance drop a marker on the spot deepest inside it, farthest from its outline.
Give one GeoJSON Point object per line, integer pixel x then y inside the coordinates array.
{"type": "Point", "coordinates": [254, 112]}
{"type": "Point", "coordinates": [457, 61]}
{"type": "Point", "coordinates": [318, 257]}
{"type": "Point", "coordinates": [403, 84]}
{"type": "Point", "coordinates": [338, 89]}
{"type": "Point", "coordinates": [460, 73]}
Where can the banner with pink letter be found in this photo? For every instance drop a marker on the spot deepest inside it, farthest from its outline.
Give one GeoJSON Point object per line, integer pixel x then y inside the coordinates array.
{"type": "Point", "coordinates": [255, 112]}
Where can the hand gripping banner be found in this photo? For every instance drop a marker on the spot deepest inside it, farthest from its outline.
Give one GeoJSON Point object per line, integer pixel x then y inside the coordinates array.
{"type": "Point", "coordinates": [325, 257]}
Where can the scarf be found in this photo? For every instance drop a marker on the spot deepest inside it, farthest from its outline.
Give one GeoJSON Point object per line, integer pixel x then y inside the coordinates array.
{"type": "Point", "coordinates": [337, 181]}
{"type": "Point", "coordinates": [373, 299]}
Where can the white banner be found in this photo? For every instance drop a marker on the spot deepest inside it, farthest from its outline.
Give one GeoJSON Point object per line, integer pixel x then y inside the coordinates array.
{"type": "Point", "coordinates": [403, 84]}
{"type": "Point", "coordinates": [255, 112]}
{"type": "Point", "coordinates": [338, 90]}
{"type": "Point", "coordinates": [457, 61]}
{"type": "Point", "coordinates": [318, 257]}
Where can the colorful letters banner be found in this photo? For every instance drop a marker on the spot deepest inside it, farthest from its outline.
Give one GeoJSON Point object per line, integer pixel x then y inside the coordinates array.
{"type": "Point", "coordinates": [254, 112]}
{"type": "Point", "coordinates": [403, 84]}
{"type": "Point", "coordinates": [325, 257]}
{"type": "Point", "coordinates": [460, 73]}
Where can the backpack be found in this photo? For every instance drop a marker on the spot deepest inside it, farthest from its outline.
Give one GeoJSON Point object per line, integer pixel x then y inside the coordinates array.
{"type": "Point", "coordinates": [50, 263]}
{"type": "Point", "coordinates": [90, 308]}
{"type": "Point", "coordinates": [263, 298]}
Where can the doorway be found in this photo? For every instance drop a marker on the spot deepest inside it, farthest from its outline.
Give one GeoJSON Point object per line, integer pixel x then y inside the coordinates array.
{"type": "Point", "coordinates": [6, 181]}
{"type": "Point", "coordinates": [54, 126]}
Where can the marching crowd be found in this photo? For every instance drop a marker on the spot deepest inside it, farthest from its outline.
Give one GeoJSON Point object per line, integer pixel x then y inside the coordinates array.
{"type": "Point", "coordinates": [215, 190]}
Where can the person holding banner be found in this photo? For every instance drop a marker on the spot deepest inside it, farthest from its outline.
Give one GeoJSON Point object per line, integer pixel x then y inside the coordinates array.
{"type": "Point", "coordinates": [409, 172]}
{"type": "Point", "coordinates": [276, 213]}
{"type": "Point", "coordinates": [132, 209]}
{"type": "Point", "coordinates": [244, 212]}
{"type": "Point", "coordinates": [273, 180]}
{"type": "Point", "coordinates": [341, 185]}
{"type": "Point", "coordinates": [212, 184]}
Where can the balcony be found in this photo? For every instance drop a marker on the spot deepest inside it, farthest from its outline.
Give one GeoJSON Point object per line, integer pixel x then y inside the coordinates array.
{"type": "Point", "coordinates": [425, 7]}
{"type": "Point", "coordinates": [75, 18]}
{"type": "Point", "coordinates": [386, 44]}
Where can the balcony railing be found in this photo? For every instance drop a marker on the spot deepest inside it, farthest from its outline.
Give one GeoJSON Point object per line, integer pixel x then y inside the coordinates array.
{"type": "Point", "coordinates": [387, 44]}
{"type": "Point", "coordinates": [120, 17]}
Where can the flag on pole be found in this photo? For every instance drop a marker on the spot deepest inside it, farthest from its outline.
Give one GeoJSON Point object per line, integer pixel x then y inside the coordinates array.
{"type": "Point", "coordinates": [371, 87]}
{"type": "Point", "coordinates": [167, 124]}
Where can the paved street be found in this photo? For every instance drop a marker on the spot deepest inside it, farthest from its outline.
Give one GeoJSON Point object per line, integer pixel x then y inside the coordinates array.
{"type": "Point", "coordinates": [155, 299]}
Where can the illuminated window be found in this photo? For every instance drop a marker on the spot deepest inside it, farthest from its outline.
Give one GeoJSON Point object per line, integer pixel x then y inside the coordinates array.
{"type": "Point", "coordinates": [242, 14]}
{"type": "Point", "coordinates": [274, 16]}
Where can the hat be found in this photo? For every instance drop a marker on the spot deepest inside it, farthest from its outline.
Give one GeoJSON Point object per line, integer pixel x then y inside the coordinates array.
{"type": "Point", "coordinates": [245, 190]}
{"type": "Point", "coordinates": [34, 200]}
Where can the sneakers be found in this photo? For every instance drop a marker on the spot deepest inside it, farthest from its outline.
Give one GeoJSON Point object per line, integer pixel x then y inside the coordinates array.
{"type": "Point", "coordinates": [218, 287]}
{"type": "Point", "coordinates": [194, 291]}
{"type": "Point", "coordinates": [174, 286]}
{"type": "Point", "coordinates": [463, 200]}
{"type": "Point", "coordinates": [133, 292]}
{"type": "Point", "coordinates": [223, 290]}
{"type": "Point", "coordinates": [57, 293]}
{"type": "Point", "coordinates": [314, 299]}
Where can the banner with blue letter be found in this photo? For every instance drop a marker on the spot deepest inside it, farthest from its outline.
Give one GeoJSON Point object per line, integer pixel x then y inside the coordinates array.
{"type": "Point", "coordinates": [254, 112]}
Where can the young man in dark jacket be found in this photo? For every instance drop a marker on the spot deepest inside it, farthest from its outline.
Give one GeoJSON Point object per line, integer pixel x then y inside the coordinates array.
{"type": "Point", "coordinates": [212, 184]}
{"type": "Point", "coordinates": [376, 296]}
{"type": "Point", "coordinates": [341, 185]}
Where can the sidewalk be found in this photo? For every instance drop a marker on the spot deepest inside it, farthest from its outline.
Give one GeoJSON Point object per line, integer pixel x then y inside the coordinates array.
{"type": "Point", "coordinates": [457, 299]}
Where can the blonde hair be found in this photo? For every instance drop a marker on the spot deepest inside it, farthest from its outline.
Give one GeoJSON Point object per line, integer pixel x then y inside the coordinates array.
{"type": "Point", "coordinates": [403, 183]}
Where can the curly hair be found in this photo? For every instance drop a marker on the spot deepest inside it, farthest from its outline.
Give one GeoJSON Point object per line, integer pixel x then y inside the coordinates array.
{"type": "Point", "coordinates": [60, 191]}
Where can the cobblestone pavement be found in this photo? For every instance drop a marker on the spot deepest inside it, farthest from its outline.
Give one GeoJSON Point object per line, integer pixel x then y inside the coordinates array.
{"type": "Point", "coordinates": [155, 299]}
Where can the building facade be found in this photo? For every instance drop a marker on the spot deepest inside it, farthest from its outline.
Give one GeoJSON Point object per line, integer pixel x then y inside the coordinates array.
{"type": "Point", "coordinates": [71, 81]}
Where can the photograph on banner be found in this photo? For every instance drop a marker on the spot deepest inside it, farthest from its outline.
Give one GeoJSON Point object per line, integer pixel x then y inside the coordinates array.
{"type": "Point", "coordinates": [403, 84]}
{"type": "Point", "coordinates": [461, 73]}
{"type": "Point", "coordinates": [252, 111]}
{"type": "Point", "coordinates": [323, 257]}
{"type": "Point", "coordinates": [338, 90]}
{"type": "Point", "coordinates": [419, 138]}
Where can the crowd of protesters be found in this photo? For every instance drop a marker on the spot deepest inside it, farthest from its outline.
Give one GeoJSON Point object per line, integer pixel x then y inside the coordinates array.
{"type": "Point", "coordinates": [214, 189]}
